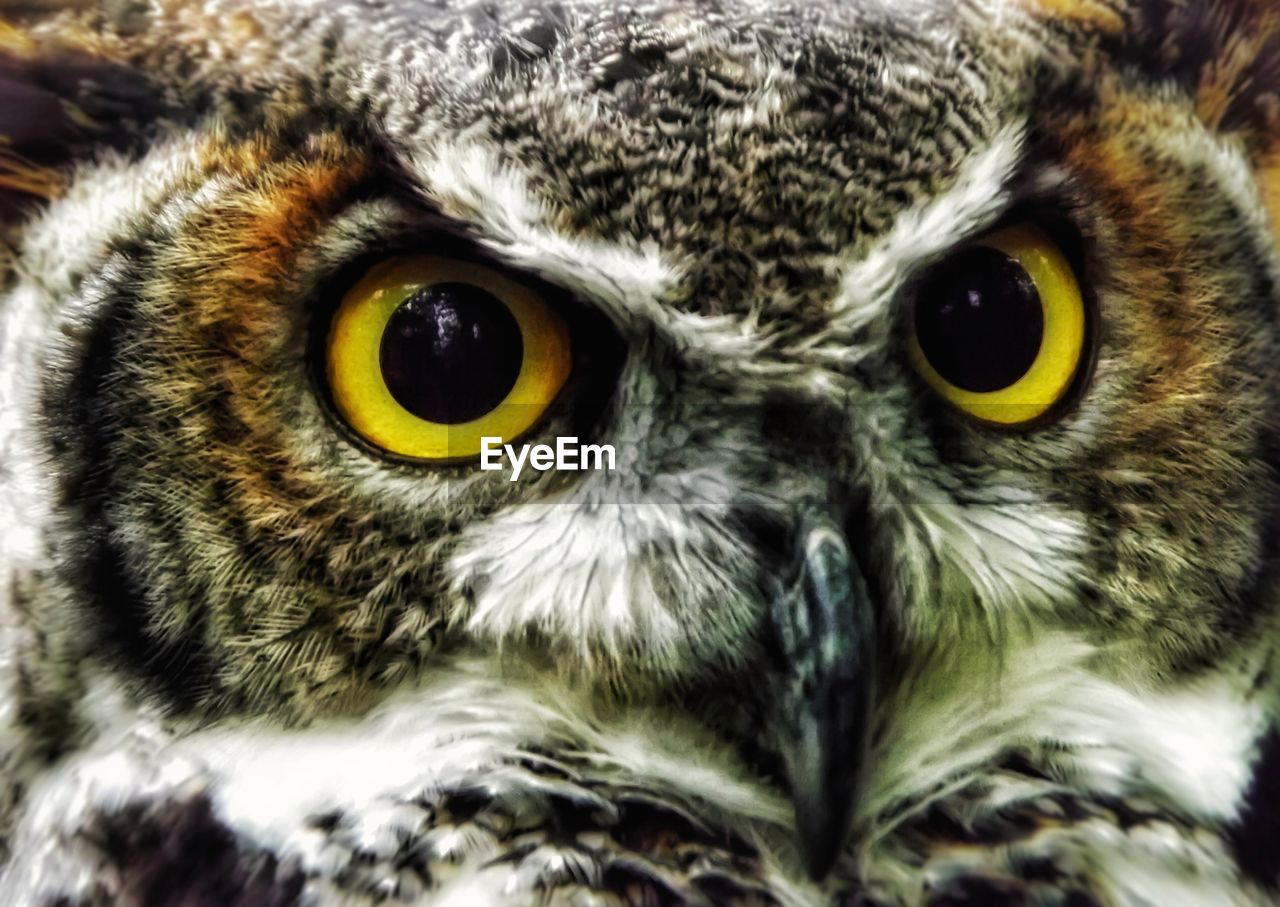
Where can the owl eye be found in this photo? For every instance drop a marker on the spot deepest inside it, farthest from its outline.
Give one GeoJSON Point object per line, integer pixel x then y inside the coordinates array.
{"type": "Point", "coordinates": [999, 327]}
{"type": "Point", "coordinates": [426, 355]}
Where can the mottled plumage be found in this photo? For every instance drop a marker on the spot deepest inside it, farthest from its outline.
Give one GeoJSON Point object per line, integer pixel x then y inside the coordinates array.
{"type": "Point", "coordinates": [246, 659]}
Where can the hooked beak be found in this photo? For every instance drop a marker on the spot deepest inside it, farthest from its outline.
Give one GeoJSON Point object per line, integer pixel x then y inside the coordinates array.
{"type": "Point", "coordinates": [821, 696]}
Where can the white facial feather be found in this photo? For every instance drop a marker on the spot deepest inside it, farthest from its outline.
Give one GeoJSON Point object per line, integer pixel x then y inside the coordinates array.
{"type": "Point", "coordinates": [470, 718]}
{"type": "Point", "coordinates": [873, 281]}
{"type": "Point", "coordinates": [640, 583]}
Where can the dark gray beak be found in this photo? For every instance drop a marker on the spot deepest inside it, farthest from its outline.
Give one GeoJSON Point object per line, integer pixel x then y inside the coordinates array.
{"type": "Point", "coordinates": [820, 698]}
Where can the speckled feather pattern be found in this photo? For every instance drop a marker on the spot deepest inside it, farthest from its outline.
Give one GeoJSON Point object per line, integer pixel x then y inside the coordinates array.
{"type": "Point", "coordinates": [243, 659]}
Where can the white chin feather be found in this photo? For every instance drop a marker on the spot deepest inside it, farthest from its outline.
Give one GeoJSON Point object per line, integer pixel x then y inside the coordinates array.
{"type": "Point", "coordinates": [469, 723]}
{"type": "Point", "coordinates": [474, 721]}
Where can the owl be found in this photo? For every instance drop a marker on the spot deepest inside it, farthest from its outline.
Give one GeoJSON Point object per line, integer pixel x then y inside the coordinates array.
{"type": "Point", "coordinates": [676, 452]}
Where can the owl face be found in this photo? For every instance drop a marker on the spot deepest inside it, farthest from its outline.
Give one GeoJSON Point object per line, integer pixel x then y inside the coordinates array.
{"type": "Point", "coordinates": [762, 252]}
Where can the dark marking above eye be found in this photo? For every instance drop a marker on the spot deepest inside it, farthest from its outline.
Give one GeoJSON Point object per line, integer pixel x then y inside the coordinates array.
{"type": "Point", "coordinates": [451, 353]}
{"type": "Point", "coordinates": [979, 320]}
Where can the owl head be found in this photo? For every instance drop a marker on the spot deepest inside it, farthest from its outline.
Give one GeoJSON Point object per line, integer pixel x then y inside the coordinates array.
{"type": "Point", "coordinates": [917, 329]}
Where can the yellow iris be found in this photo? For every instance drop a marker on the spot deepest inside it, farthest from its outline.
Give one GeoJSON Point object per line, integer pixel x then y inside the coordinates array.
{"type": "Point", "coordinates": [1052, 371]}
{"type": "Point", "coordinates": [355, 360]}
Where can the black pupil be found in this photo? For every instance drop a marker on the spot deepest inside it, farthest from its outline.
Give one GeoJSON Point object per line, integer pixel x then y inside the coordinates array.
{"type": "Point", "coordinates": [451, 353]}
{"type": "Point", "coordinates": [979, 320]}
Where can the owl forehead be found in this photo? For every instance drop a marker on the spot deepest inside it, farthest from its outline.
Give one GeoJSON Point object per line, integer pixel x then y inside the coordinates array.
{"type": "Point", "coordinates": [749, 142]}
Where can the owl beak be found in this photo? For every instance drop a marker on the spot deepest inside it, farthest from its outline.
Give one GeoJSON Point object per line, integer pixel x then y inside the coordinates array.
{"type": "Point", "coordinates": [823, 626]}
